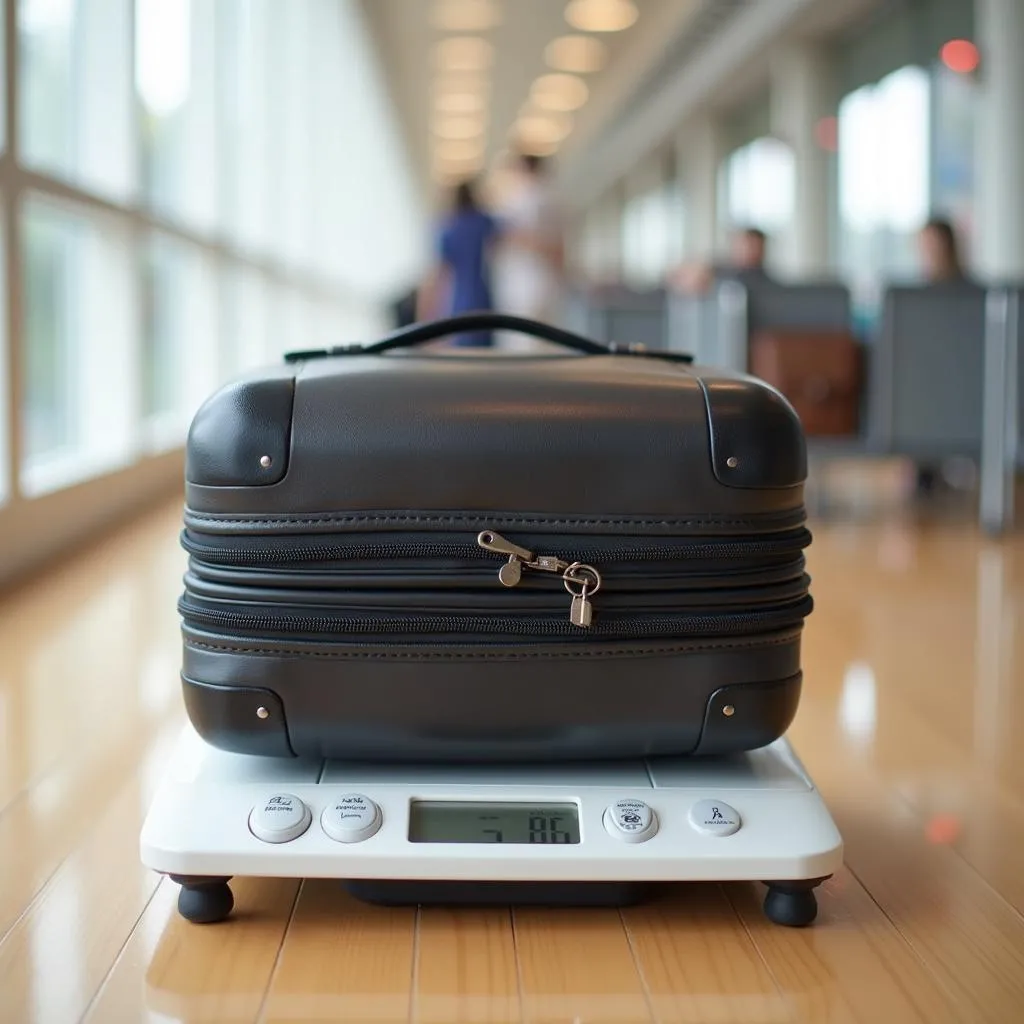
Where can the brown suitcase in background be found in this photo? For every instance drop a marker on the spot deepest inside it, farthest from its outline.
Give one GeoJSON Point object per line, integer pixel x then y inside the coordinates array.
{"type": "Point", "coordinates": [819, 372]}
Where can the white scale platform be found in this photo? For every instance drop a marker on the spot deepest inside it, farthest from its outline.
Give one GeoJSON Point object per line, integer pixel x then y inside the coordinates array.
{"type": "Point", "coordinates": [754, 817]}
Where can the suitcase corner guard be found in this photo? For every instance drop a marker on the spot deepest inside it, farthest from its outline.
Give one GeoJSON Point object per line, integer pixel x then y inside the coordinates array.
{"type": "Point", "coordinates": [747, 716]}
{"type": "Point", "coordinates": [238, 719]}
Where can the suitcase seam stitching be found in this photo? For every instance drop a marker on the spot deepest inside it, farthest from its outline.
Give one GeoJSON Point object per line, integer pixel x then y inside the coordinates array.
{"type": "Point", "coordinates": [447, 656]}
{"type": "Point", "coordinates": [464, 519]}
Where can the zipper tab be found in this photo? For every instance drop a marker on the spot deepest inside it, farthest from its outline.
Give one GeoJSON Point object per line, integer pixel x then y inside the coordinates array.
{"type": "Point", "coordinates": [577, 574]}
{"type": "Point", "coordinates": [512, 571]}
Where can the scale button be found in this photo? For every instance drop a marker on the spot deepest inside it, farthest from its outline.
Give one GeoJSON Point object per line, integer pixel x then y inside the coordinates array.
{"type": "Point", "coordinates": [714, 818]}
{"type": "Point", "coordinates": [631, 820]}
{"type": "Point", "coordinates": [351, 818]}
{"type": "Point", "coordinates": [280, 818]}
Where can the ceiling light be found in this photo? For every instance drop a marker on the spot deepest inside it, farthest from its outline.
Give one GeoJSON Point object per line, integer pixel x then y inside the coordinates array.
{"type": "Point", "coordinates": [559, 92]}
{"type": "Point", "coordinates": [580, 54]}
{"type": "Point", "coordinates": [465, 15]}
{"type": "Point", "coordinates": [536, 147]}
{"type": "Point", "coordinates": [452, 171]}
{"type": "Point", "coordinates": [541, 129]}
{"type": "Point", "coordinates": [459, 103]}
{"type": "Point", "coordinates": [459, 150]}
{"type": "Point", "coordinates": [464, 53]}
{"type": "Point", "coordinates": [601, 15]}
{"type": "Point", "coordinates": [462, 82]}
{"type": "Point", "coordinates": [458, 127]}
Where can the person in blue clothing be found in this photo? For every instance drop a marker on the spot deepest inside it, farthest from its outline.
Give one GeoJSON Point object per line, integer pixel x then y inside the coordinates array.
{"type": "Point", "coordinates": [460, 281]}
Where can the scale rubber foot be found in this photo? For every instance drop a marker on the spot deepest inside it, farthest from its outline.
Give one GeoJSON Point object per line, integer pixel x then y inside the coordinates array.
{"type": "Point", "coordinates": [791, 904]}
{"type": "Point", "coordinates": [204, 900]}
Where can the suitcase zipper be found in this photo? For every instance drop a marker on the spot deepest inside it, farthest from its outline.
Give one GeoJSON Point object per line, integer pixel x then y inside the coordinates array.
{"type": "Point", "coordinates": [580, 579]}
{"type": "Point", "coordinates": [574, 574]}
{"type": "Point", "coordinates": [277, 553]}
{"type": "Point", "coordinates": [614, 627]}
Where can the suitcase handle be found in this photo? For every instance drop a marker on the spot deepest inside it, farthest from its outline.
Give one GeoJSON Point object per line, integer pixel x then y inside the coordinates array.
{"type": "Point", "coordinates": [432, 330]}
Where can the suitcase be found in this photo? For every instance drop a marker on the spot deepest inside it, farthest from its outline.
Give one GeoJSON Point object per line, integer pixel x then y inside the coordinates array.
{"type": "Point", "coordinates": [399, 554]}
{"type": "Point", "coordinates": [820, 373]}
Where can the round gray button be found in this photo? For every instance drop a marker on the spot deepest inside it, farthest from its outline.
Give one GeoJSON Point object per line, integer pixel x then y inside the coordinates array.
{"type": "Point", "coordinates": [351, 818]}
{"type": "Point", "coordinates": [714, 818]}
{"type": "Point", "coordinates": [630, 820]}
{"type": "Point", "coordinates": [280, 818]}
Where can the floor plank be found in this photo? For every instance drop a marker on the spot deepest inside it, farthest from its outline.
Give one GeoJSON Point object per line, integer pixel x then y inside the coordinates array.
{"type": "Point", "coordinates": [173, 970]}
{"type": "Point", "coordinates": [343, 960]}
{"type": "Point", "coordinates": [466, 968]}
{"type": "Point", "coordinates": [852, 967]}
{"type": "Point", "coordinates": [699, 963]}
{"type": "Point", "coordinates": [54, 959]}
{"type": "Point", "coordinates": [578, 964]}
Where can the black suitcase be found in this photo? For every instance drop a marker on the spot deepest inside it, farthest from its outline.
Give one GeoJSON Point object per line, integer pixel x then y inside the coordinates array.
{"type": "Point", "coordinates": [408, 555]}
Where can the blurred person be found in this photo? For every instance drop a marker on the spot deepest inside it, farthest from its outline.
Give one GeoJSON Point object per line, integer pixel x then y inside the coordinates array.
{"type": "Point", "coordinates": [529, 271]}
{"type": "Point", "coordinates": [460, 280]}
{"type": "Point", "coordinates": [748, 251]}
{"type": "Point", "coordinates": [941, 264]}
{"type": "Point", "coordinates": [939, 252]}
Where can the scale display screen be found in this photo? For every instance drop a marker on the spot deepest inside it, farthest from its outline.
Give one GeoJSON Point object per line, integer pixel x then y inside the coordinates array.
{"type": "Point", "coordinates": [466, 822]}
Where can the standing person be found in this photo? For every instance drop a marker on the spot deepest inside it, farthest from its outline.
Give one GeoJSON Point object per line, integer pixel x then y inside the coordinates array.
{"type": "Point", "coordinates": [460, 281]}
{"type": "Point", "coordinates": [530, 261]}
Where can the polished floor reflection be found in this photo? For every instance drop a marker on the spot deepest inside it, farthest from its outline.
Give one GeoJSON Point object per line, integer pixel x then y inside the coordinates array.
{"type": "Point", "coordinates": [910, 720]}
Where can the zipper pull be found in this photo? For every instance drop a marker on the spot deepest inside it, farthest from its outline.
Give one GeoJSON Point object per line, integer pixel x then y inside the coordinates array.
{"type": "Point", "coordinates": [588, 579]}
{"type": "Point", "coordinates": [512, 571]}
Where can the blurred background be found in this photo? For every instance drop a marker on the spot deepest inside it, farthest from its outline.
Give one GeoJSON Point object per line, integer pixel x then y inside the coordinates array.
{"type": "Point", "coordinates": [190, 188]}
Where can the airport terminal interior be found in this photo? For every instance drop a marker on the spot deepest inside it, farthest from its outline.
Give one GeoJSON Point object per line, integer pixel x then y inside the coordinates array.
{"type": "Point", "coordinates": [826, 196]}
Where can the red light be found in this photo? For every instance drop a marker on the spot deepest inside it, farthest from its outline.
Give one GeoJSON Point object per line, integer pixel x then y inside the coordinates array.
{"type": "Point", "coordinates": [943, 829]}
{"type": "Point", "coordinates": [961, 56]}
{"type": "Point", "coordinates": [826, 131]}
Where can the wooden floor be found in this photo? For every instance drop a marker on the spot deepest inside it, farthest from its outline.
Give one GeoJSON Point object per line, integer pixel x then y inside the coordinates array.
{"type": "Point", "coordinates": [911, 721]}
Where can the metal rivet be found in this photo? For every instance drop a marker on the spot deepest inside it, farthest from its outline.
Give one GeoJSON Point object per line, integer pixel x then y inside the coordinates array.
{"type": "Point", "coordinates": [728, 711]}
{"type": "Point", "coordinates": [732, 462]}
{"type": "Point", "coordinates": [262, 713]}
{"type": "Point", "coordinates": [266, 461]}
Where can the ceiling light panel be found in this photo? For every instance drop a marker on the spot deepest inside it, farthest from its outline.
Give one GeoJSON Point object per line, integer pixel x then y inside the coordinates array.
{"type": "Point", "coordinates": [465, 15]}
{"type": "Point", "coordinates": [459, 103]}
{"type": "Point", "coordinates": [542, 128]}
{"type": "Point", "coordinates": [601, 15]}
{"type": "Point", "coordinates": [559, 92]}
{"type": "Point", "coordinates": [459, 150]}
{"type": "Point", "coordinates": [458, 127]}
{"type": "Point", "coordinates": [464, 53]}
{"type": "Point", "coordinates": [582, 55]}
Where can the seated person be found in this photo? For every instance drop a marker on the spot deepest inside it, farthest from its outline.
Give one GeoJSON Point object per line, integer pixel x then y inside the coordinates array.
{"type": "Point", "coordinates": [941, 265]}
{"type": "Point", "coordinates": [748, 250]}
{"type": "Point", "coordinates": [939, 251]}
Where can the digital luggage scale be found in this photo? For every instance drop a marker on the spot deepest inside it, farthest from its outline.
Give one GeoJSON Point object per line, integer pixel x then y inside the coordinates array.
{"type": "Point", "coordinates": [595, 833]}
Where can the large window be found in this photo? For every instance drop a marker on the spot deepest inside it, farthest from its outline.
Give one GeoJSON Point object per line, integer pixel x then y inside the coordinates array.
{"type": "Point", "coordinates": [76, 113]}
{"type": "Point", "coordinates": [653, 234]}
{"type": "Point", "coordinates": [180, 350]}
{"type": "Point", "coordinates": [884, 171]}
{"type": "Point", "coordinates": [201, 186]}
{"type": "Point", "coordinates": [758, 186]}
{"type": "Point", "coordinates": [955, 111]}
{"type": "Point", "coordinates": [175, 79]}
{"type": "Point", "coordinates": [78, 392]}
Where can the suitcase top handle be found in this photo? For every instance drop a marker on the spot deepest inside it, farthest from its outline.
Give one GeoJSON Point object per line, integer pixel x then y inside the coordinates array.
{"type": "Point", "coordinates": [432, 330]}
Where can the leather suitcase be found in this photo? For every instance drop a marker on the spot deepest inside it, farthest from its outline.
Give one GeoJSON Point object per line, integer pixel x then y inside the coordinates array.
{"type": "Point", "coordinates": [819, 372]}
{"type": "Point", "coordinates": [399, 554]}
